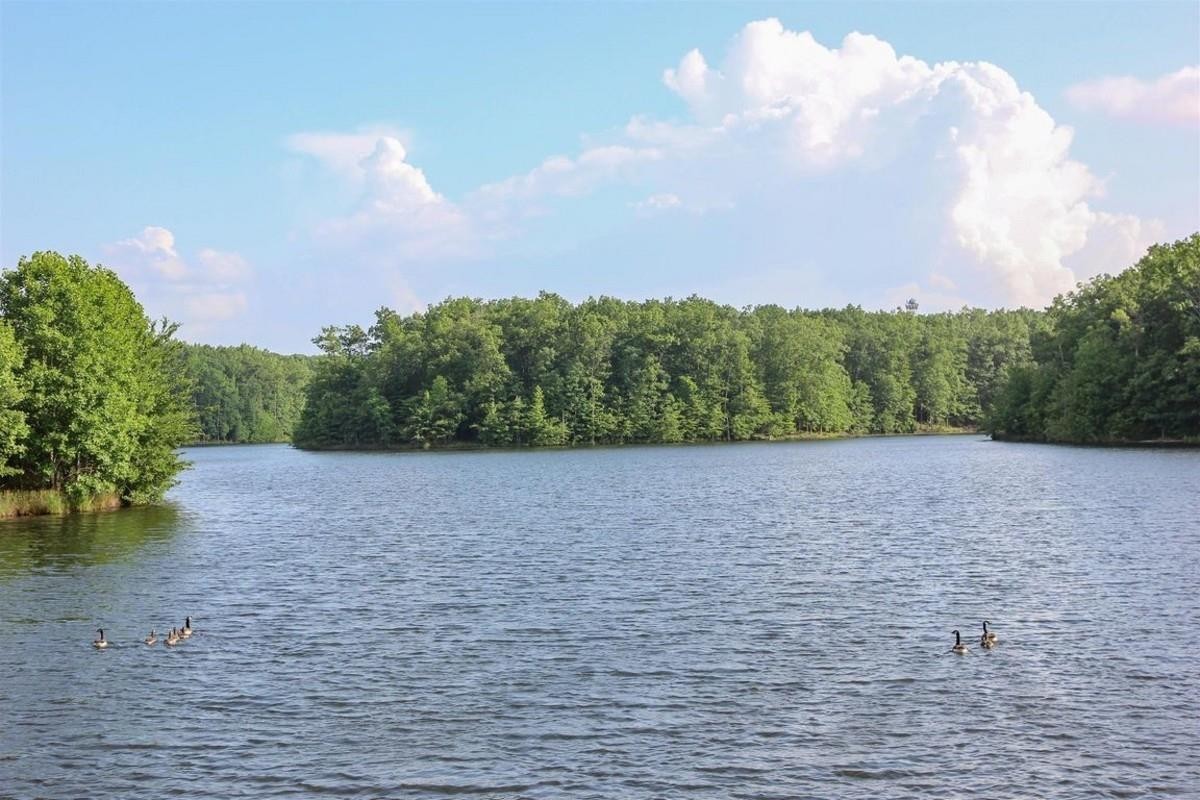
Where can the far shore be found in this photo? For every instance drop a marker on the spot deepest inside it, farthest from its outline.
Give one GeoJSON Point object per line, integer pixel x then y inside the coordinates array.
{"type": "Point", "coordinates": [1148, 443]}
{"type": "Point", "coordinates": [794, 437]}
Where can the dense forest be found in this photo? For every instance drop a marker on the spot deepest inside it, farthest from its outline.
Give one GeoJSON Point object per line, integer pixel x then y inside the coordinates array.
{"type": "Point", "coordinates": [93, 395]}
{"type": "Point", "coordinates": [545, 372]}
{"type": "Point", "coordinates": [244, 394]}
{"type": "Point", "coordinates": [95, 398]}
{"type": "Point", "coordinates": [1117, 361]}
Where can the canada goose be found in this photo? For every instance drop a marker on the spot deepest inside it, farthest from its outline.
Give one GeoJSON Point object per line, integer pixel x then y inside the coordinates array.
{"type": "Point", "coordinates": [101, 642]}
{"type": "Point", "coordinates": [173, 637]}
{"type": "Point", "coordinates": [151, 639]}
{"type": "Point", "coordinates": [959, 647]}
{"type": "Point", "coordinates": [987, 644]}
{"type": "Point", "coordinates": [186, 630]}
{"type": "Point", "coordinates": [988, 636]}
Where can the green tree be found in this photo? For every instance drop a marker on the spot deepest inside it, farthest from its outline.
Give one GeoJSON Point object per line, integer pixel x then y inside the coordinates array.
{"type": "Point", "coordinates": [435, 415]}
{"type": "Point", "coordinates": [541, 429]}
{"type": "Point", "coordinates": [1116, 360]}
{"type": "Point", "coordinates": [105, 394]}
{"type": "Point", "coordinates": [13, 429]}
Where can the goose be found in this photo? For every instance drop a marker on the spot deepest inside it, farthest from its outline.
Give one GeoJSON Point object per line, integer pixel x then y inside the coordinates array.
{"type": "Point", "coordinates": [989, 638]}
{"type": "Point", "coordinates": [151, 639]}
{"type": "Point", "coordinates": [173, 638]}
{"type": "Point", "coordinates": [101, 642]}
{"type": "Point", "coordinates": [959, 648]}
{"type": "Point", "coordinates": [186, 630]}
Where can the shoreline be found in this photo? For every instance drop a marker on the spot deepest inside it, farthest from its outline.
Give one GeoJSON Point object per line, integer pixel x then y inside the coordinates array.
{"type": "Point", "coordinates": [457, 447]}
{"type": "Point", "coordinates": [1149, 444]}
{"type": "Point", "coordinates": [215, 443]}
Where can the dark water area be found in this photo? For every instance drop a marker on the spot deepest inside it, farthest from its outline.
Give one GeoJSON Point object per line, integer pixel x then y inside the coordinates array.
{"type": "Point", "coordinates": [737, 621]}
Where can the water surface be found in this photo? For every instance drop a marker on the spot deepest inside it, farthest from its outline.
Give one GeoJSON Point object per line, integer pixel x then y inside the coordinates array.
{"type": "Point", "coordinates": [757, 621]}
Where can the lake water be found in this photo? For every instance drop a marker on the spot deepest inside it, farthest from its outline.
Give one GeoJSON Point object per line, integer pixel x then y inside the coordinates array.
{"type": "Point", "coordinates": [750, 621]}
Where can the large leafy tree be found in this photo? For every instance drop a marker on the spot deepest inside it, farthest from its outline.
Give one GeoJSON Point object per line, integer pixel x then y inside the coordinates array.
{"type": "Point", "coordinates": [103, 391]}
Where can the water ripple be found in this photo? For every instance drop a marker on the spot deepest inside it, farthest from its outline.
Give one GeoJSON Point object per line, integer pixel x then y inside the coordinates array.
{"type": "Point", "coordinates": [754, 621]}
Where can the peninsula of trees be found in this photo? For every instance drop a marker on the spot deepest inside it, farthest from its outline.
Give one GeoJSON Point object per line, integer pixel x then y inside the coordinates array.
{"type": "Point", "coordinates": [1116, 361]}
{"type": "Point", "coordinates": [545, 372]}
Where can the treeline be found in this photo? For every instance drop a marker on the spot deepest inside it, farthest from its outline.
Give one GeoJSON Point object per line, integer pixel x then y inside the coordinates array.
{"type": "Point", "coordinates": [93, 395]}
{"type": "Point", "coordinates": [545, 372]}
{"type": "Point", "coordinates": [1118, 361]}
{"type": "Point", "coordinates": [245, 394]}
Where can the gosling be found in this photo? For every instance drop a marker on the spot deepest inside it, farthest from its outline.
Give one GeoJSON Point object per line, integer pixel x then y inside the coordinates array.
{"type": "Point", "coordinates": [988, 639]}
{"type": "Point", "coordinates": [101, 642]}
{"type": "Point", "coordinates": [151, 639]}
{"type": "Point", "coordinates": [172, 638]}
{"type": "Point", "coordinates": [959, 648]}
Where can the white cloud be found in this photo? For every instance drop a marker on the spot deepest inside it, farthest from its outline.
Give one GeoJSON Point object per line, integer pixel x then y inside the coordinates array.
{"type": "Point", "coordinates": [1171, 99]}
{"type": "Point", "coordinates": [399, 218]}
{"type": "Point", "coordinates": [664, 201]}
{"type": "Point", "coordinates": [196, 292]}
{"type": "Point", "coordinates": [1017, 204]}
{"type": "Point", "coordinates": [343, 152]}
{"type": "Point", "coordinates": [1114, 242]}
{"type": "Point", "coordinates": [154, 250]}
{"type": "Point", "coordinates": [223, 266]}
{"type": "Point", "coordinates": [950, 166]}
{"type": "Point", "coordinates": [571, 177]}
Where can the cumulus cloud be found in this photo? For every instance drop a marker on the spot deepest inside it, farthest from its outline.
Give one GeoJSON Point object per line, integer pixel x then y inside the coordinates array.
{"type": "Point", "coordinates": [154, 250]}
{"type": "Point", "coordinates": [814, 152]}
{"type": "Point", "coordinates": [343, 152]}
{"type": "Point", "coordinates": [1016, 205]}
{"type": "Point", "coordinates": [398, 217]}
{"type": "Point", "coordinates": [197, 292]}
{"type": "Point", "coordinates": [1171, 99]}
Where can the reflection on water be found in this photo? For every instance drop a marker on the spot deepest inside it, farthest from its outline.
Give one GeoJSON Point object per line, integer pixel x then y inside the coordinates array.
{"type": "Point", "coordinates": [62, 543]}
{"type": "Point", "coordinates": [752, 621]}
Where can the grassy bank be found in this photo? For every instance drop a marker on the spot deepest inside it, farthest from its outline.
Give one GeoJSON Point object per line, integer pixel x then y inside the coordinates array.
{"type": "Point", "coordinates": [32, 503]}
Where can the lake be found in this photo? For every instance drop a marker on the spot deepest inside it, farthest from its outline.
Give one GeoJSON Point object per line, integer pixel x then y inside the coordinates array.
{"type": "Point", "coordinates": [750, 621]}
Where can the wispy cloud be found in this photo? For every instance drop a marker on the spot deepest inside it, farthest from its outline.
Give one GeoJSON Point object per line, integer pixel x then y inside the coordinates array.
{"type": "Point", "coordinates": [1171, 99]}
{"type": "Point", "coordinates": [198, 292]}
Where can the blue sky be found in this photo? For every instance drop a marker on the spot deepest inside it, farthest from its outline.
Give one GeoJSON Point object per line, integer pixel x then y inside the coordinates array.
{"type": "Point", "coordinates": [257, 171]}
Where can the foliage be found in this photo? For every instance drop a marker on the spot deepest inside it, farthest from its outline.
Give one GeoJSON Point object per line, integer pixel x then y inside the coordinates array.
{"type": "Point", "coordinates": [13, 429]}
{"type": "Point", "coordinates": [544, 372]}
{"type": "Point", "coordinates": [1116, 360]}
{"type": "Point", "coordinates": [244, 394]}
{"type": "Point", "coordinates": [93, 396]}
